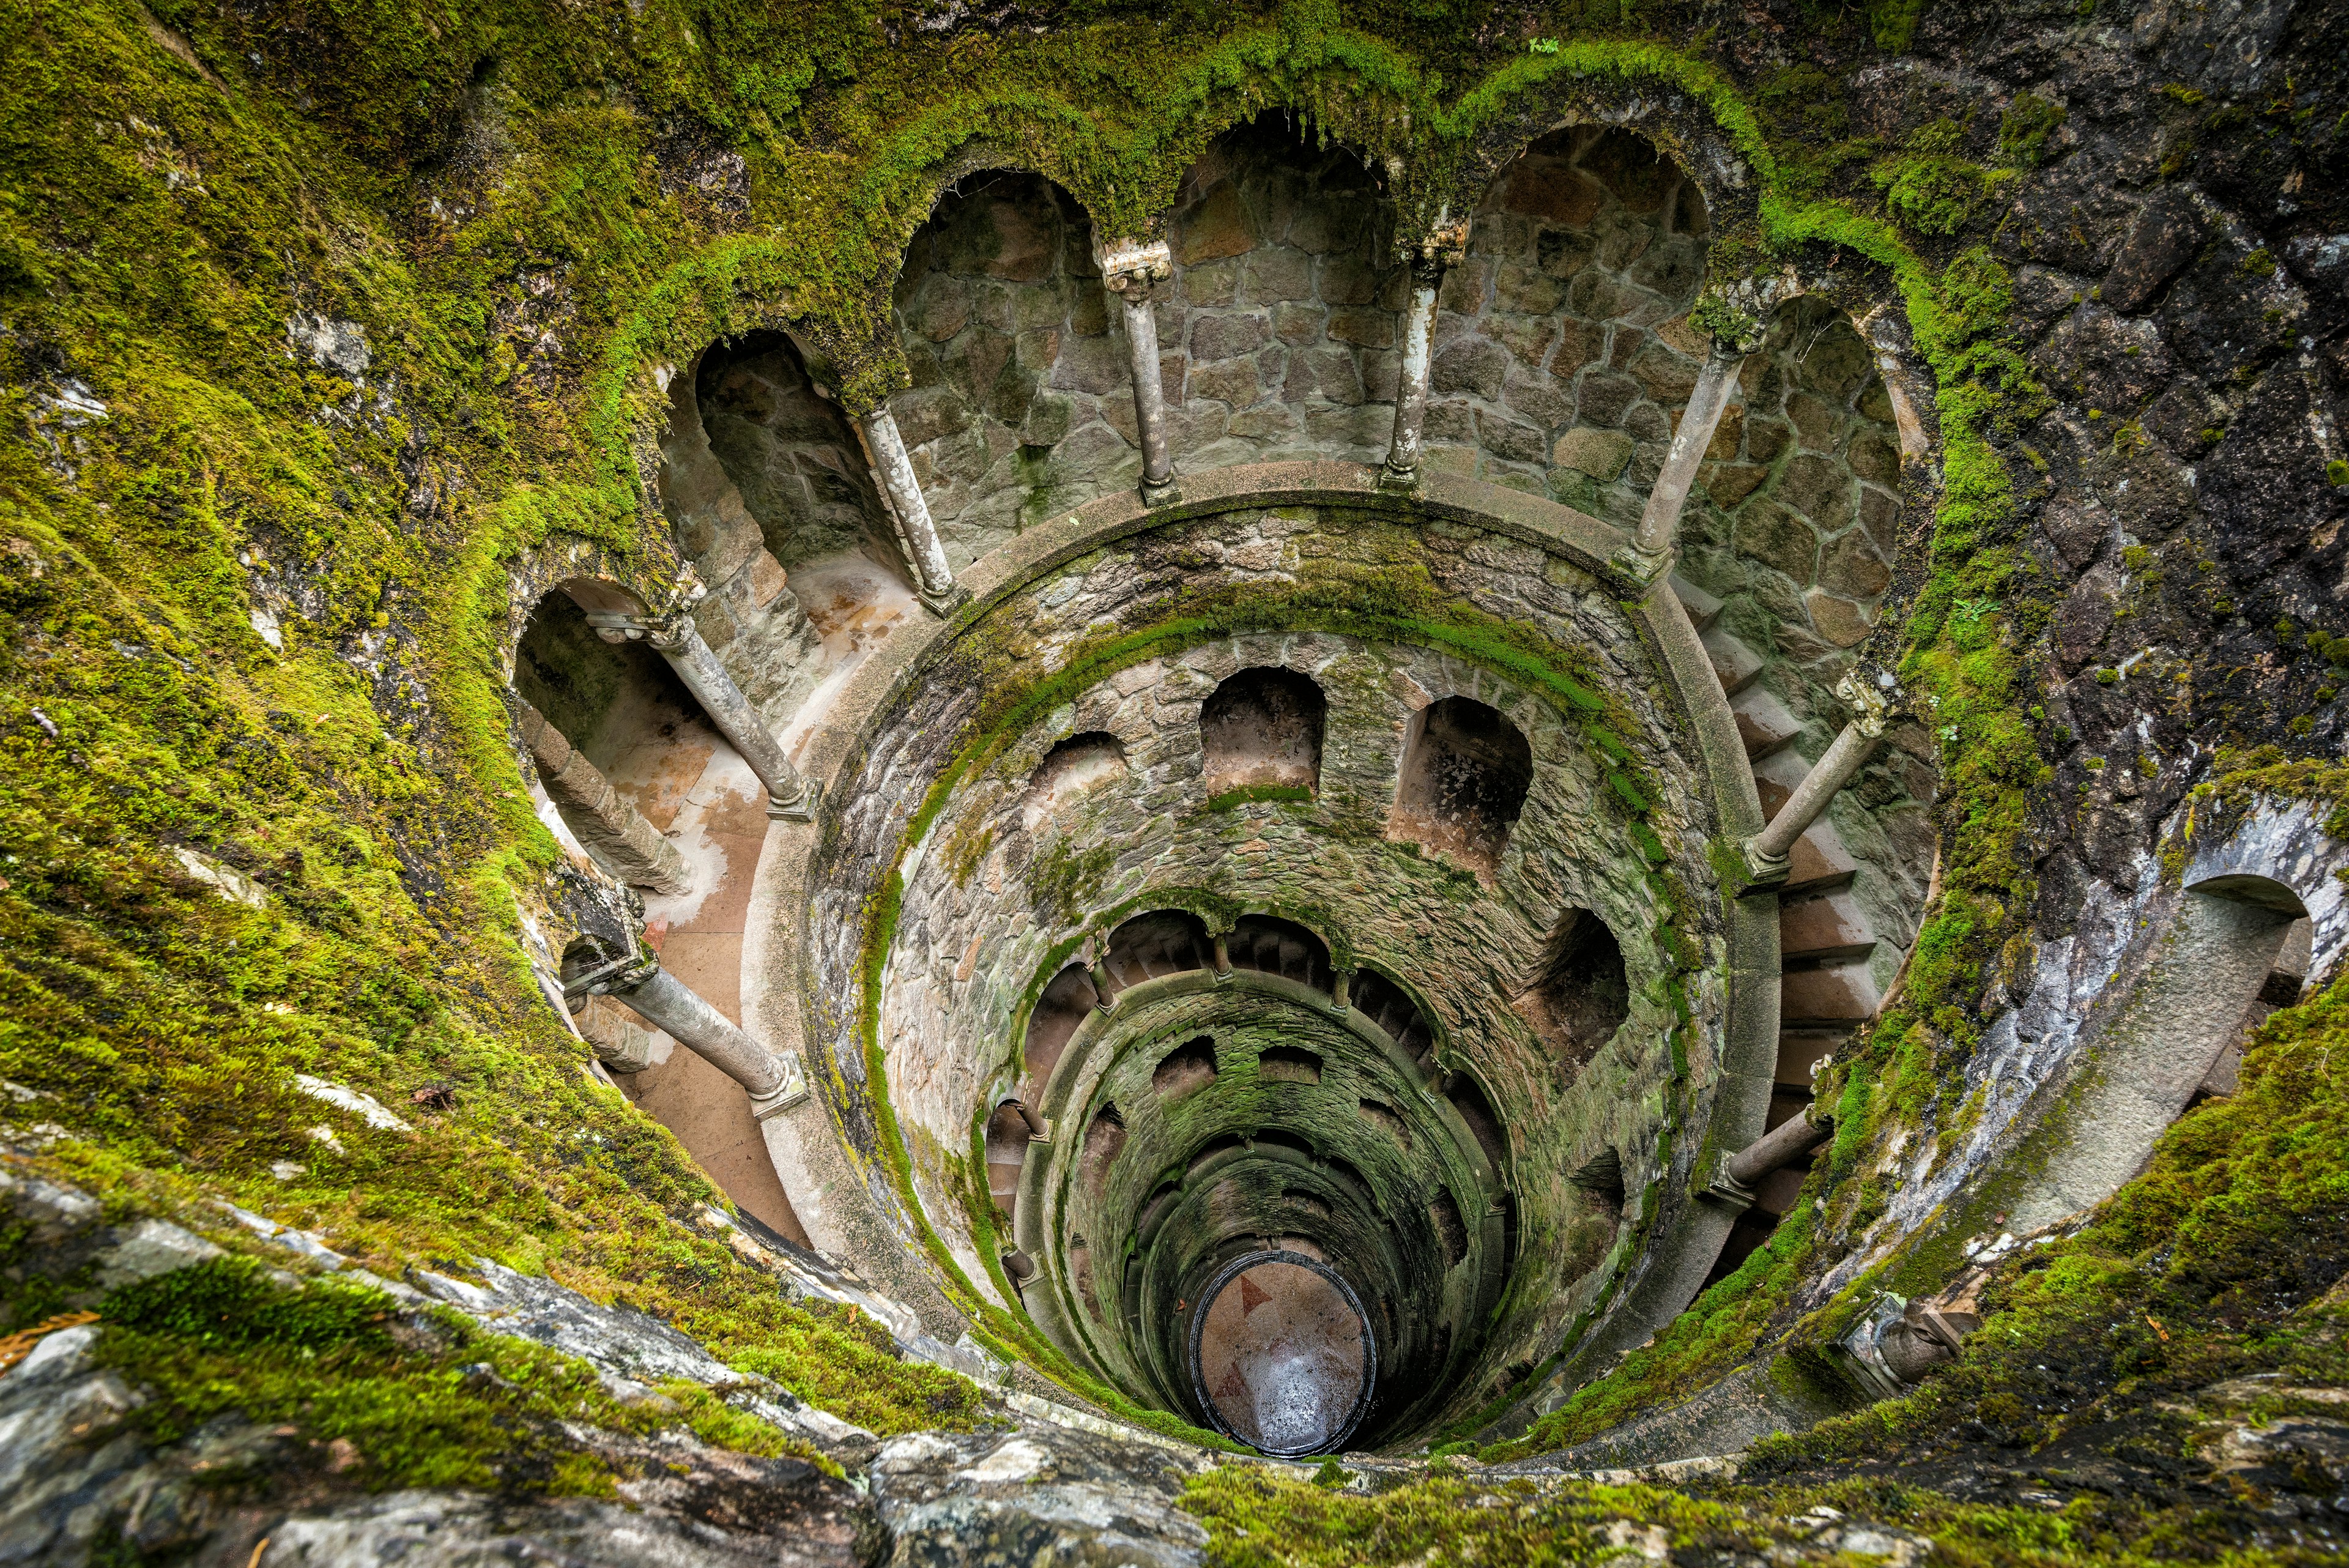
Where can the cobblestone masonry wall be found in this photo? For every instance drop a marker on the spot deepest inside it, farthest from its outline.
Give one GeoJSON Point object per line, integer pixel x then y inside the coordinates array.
{"type": "Point", "coordinates": [1562, 359]}
{"type": "Point", "coordinates": [987, 901]}
{"type": "Point", "coordinates": [790, 451]}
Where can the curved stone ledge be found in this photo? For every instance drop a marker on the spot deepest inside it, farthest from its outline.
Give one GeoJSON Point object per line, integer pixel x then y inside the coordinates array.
{"type": "Point", "coordinates": [837, 1155]}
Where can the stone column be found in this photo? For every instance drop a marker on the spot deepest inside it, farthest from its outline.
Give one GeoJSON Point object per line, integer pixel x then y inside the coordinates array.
{"type": "Point", "coordinates": [1780, 1147]}
{"type": "Point", "coordinates": [677, 640]}
{"type": "Point", "coordinates": [1649, 555]}
{"type": "Point", "coordinates": [893, 471]}
{"type": "Point", "coordinates": [610, 829]}
{"type": "Point", "coordinates": [1223, 955]}
{"type": "Point", "coordinates": [1445, 246]}
{"type": "Point", "coordinates": [1767, 851]}
{"type": "Point", "coordinates": [1130, 269]}
{"type": "Point", "coordinates": [1341, 985]}
{"type": "Point", "coordinates": [667, 1003]}
{"type": "Point", "coordinates": [773, 1080]}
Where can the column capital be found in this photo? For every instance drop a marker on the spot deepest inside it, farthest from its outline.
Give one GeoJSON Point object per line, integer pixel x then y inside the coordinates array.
{"type": "Point", "coordinates": [1735, 309]}
{"type": "Point", "coordinates": [1132, 268]}
{"type": "Point", "coordinates": [1443, 245]}
{"type": "Point", "coordinates": [1874, 704]}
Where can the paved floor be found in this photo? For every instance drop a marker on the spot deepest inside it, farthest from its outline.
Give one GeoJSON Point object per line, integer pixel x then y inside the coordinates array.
{"type": "Point", "coordinates": [657, 749]}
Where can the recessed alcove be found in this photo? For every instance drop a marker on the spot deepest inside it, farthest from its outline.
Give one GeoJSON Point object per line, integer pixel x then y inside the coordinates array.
{"type": "Point", "coordinates": [1581, 994]}
{"type": "Point", "coordinates": [1261, 730]}
{"type": "Point", "coordinates": [1466, 771]}
{"type": "Point", "coordinates": [1071, 771]}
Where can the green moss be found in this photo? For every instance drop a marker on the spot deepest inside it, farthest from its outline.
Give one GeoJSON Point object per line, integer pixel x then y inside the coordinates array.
{"type": "Point", "coordinates": [420, 1398]}
{"type": "Point", "coordinates": [2024, 128]}
{"type": "Point", "coordinates": [1247, 795]}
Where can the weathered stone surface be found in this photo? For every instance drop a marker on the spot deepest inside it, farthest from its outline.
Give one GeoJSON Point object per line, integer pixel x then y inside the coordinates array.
{"type": "Point", "coordinates": [1041, 1494]}
{"type": "Point", "coordinates": [2167, 232]}
{"type": "Point", "coordinates": [1600, 453]}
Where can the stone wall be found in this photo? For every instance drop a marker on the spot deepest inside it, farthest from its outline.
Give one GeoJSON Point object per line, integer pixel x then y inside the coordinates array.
{"type": "Point", "coordinates": [991, 909]}
{"type": "Point", "coordinates": [1021, 407]}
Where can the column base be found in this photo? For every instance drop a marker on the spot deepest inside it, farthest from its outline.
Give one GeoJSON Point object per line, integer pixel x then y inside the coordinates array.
{"type": "Point", "coordinates": [943, 605]}
{"type": "Point", "coordinates": [800, 810]}
{"type": "Point", "coordinates": [1729, 1192]}
{"type": "Point", "coordinates": [1763, 870]}
{"type": "Point", "coordinates": [1403, 480]}
{"type": "Point", "coordinates": [789, 1093]}
{"type": "Point", "coordinates": [1160, 492]}
{"type": "Point", "coordinates": [1642, 568]}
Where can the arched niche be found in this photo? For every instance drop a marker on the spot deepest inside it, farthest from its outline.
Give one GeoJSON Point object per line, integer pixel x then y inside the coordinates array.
{"type": "Point", "coordinates": [1005, 1144]}
{"type": "Point", "coordinates": [1071, 770]}
{"type": "Point", "coordinates": [1391, 1008]}
{"type": "Point", "coordinates": [1465, 771]}
{"type": "Point", "coordinates": [1283, 324]}
{"type": "Point", "coordinates": [1020, 406]}
{"type": "Point", "coordinates": [1066, 1001]}
{"type": "Point", "coordinates": [1564, 354]}
{"type": "Point", "coordinates": [1580, 994]}
{"type": "Point", "coordinates": [1261, 729]}
{"type": "Point", "coordinates": [584, 685]}
{"type": "Point", "coordinates": [788, 451]}
{"type": "Point", "coordinates": [1269, 945]}
{"type": "Point", "coordinates": [1185, 1070]}
{"type": "Point", "coordinates": [1794, 522]}
{"type": "Point", "coordinates": [1162, 942]}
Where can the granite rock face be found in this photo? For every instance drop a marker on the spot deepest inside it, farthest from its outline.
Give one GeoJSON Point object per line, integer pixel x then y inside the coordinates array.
{"type": "Point", "coordinates": [1040, 1495]}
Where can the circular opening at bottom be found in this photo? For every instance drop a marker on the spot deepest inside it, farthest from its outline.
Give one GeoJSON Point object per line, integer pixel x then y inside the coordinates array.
{"type": "Point", "coordinates": [1281, 1353]}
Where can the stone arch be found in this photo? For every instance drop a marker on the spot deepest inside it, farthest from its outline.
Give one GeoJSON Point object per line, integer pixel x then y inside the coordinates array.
{"type": "Point", "coordinates": [1261, 729]}
{"type": "Point", "coordinates": [1065, 1004]}
{"type": "Point", "coordinates": [1281, 327]}
{"type": "Point", "coordinates": [1162, 942]}
{"type": "Point", "coordinates": [1466, 771]}
{"type": "Point", "coordinates": [2205, 977]}
{"type": "Point", "coordinates": [1019, 404]}
{"type": "Point", "coordinates": [1004, 1142]}
{"type": "Point", "coordinates": [1581, 994]}
{"type": "Point", "coordinates": [1563, 349]}
{"type": "Point", "coordinates": [1270, 945]}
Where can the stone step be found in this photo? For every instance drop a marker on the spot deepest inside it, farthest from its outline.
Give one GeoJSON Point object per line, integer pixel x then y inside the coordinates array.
{"type": "Point", "coordinates": [1763, 722]}
{"type": "Point", "coordinates": [1835, 993]}
{"type": "Point", "coordinates": [1800, 1049]}
{"type": "Point", "coordinates": [1822, 927]}
{"type": "Point", "coordinates": [1734, 665]}
{"type": "Point", "coordinates": [1703, 609]}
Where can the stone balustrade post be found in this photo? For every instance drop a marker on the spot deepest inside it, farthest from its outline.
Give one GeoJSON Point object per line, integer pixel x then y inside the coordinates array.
{"type": "Point", "coordinates": [1767, 852]}
{"type": "Point", "coordinates": [1649, 555]}
{"type": "Point", "coordinates": [1132, 270]}
{"type": "Point", "coordinates": [893, 471]}
{"type": "Point", "coordinates": [1445, 246]}
{"type": "Point", "coordinates": [1782, 1146]}
{"type": "Point", "coordinates": [612, 831]}
{"type": "Point", "coordinates": [677, 640]}
{"type": "Point", "coordinates": [773, 1081]}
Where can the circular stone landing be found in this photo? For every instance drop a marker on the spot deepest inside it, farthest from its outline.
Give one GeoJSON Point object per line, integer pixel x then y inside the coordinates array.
{"type": "Point", "coordinates": [1281, 1353]}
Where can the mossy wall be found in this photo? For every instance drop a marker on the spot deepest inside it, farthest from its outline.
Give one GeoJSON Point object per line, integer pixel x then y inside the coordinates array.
{"type": "Point", "coordinates": [342, 323]}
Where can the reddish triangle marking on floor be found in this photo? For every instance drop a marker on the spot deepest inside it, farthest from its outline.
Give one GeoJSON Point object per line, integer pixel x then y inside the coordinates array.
{"type": "Point", "coordinates": [1251, 1295]}
{"type": "Point", "coordinates": [1233, 1387]}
